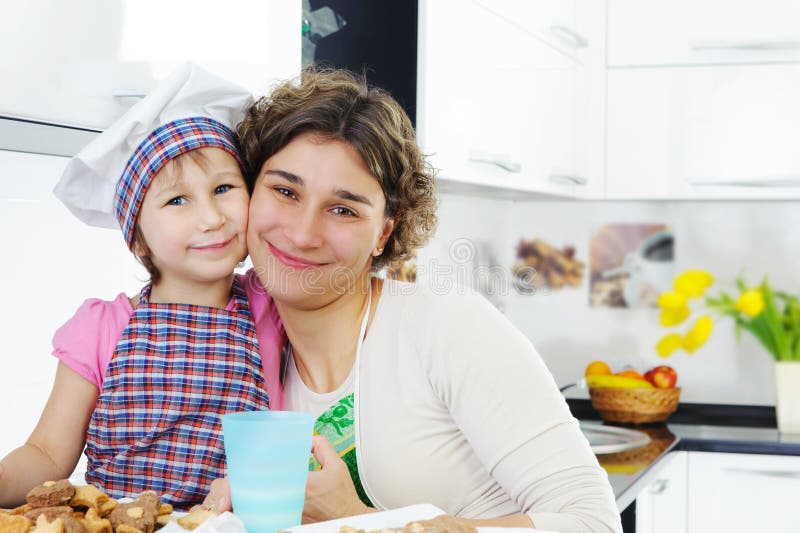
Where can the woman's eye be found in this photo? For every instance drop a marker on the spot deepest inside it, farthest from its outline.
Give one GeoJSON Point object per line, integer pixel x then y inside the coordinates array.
{"type": "Point", "coordinates": [222, 189]}
{"type": "Point", "coordinates": [343, 212]}
{"type": "Point", "coordinates": [283, 191]}
{"type": "Point", "coordinates": [178, 200]}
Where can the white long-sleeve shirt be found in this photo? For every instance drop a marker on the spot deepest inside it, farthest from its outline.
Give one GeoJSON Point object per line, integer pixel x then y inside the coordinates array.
{"type": "Point", "coordinates": [454, 407]}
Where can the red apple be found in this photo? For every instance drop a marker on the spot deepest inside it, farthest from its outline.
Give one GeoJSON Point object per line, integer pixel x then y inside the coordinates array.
{"type": "Point", "coordinates": [664, 377]}
{"type": "Point", "coordinates": [649, 376]}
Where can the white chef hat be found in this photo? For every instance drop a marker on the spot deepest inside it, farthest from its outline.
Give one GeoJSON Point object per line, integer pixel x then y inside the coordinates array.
{"type": "Point", "coordinates": [105, 183]}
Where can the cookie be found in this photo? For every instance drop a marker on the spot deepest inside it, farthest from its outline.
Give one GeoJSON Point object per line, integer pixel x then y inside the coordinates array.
{"type": "Point", "coordinates": [150, 501]}
{"type": "Point", "coordinates": [165, 508]}
{"type": "Point", "coordinates": [21, 510]}
{"type": "Point", "coordinates": [195, 518]}
{"type": "Point", "coordinates": [14, 523]}
{"type": "Point", "coordinates": [51, 493]}
{"type": "Point", "coordinates": [59, 511]}
{"type": "Point", "coordinates": [134, 515]}
{"type": "Point", "coordinates": [71, 525]}
{"type": "Point", "coordinates": [128, 529]}
{"type": "Point", "coordinates": [43, 525]}
{"type": "Point", "coordinates": [94, 524]}
{"type": "Point", "coordinates": [107, 507]}
{"type": "Point", "coordinates": [88, 497]}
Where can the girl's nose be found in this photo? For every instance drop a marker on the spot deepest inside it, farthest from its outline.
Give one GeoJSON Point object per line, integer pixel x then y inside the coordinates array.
{"type": "Point", "coordinates": [210, 217]}
{"type": "Point", "coordinates": [305, 230]}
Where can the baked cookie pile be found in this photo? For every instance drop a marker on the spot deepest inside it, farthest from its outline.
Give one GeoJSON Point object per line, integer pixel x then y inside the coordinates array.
{"type": "Point", "coordinates": [60, 507]}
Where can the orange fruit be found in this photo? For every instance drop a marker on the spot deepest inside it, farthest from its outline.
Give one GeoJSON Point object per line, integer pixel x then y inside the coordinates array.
{"type": "Point", "coordinates": [597, 367]}
{"type": "Point", "coordinates": [630, 373]}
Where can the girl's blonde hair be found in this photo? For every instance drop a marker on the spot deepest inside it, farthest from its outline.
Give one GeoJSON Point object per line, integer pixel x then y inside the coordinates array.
{"type": "Point", "coordinates": [336, 105]}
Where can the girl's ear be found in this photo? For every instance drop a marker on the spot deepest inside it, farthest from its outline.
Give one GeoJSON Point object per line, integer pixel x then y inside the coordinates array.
{"type": "Point", "coordinates": [139, 250]}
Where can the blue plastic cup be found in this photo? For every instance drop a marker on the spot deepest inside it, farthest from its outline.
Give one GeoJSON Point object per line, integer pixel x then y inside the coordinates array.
{"type": "Point", "coordinates": [267, 453]}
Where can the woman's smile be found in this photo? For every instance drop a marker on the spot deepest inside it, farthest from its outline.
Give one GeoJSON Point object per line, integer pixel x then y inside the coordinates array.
{"type": "Point", "coordinates": [292, 260]}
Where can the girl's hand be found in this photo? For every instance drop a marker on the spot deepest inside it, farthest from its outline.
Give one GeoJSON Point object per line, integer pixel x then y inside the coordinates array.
{"type": "Point", "coordinates": [330, 492]}
{"type": "Point", "coordinates": [219, 497]}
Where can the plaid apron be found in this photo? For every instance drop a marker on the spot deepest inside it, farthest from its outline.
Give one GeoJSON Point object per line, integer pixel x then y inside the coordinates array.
{"type": "Point", "coordinates": [176, 369]}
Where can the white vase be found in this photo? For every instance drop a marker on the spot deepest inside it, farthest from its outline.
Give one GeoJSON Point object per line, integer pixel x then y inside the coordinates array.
{"type": "Point", "coordinates": [787, 396]}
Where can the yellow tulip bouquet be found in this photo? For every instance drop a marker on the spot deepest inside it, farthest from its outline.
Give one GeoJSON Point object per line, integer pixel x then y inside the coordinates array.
{"type": "Point", "coordinates": [771, 317]}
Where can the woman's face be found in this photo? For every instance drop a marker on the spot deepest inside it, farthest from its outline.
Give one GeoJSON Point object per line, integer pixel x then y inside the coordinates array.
{"type": "Point", "coordinates": [316, 220]}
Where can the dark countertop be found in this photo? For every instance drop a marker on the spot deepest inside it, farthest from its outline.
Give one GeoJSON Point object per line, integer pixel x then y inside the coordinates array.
{"type": "Point", "coordinates": [629, 472]}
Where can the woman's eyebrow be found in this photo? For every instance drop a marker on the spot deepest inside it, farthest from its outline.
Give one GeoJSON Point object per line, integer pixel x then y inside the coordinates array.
{"type": "Point", "coordinates": [353, 197]}
{"type": "Point", "coordinates": [341, 193]}
{"type": "Point", "coordinates": [288, 176]}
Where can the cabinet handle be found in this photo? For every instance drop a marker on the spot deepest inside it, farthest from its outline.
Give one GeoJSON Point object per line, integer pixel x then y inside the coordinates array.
{"type": "Point", "coordinates": [784, 474]}
{"type": "Point", "coordinates": [793, 181]}
{"type": "Point", "coordinates": [568, 179]}
{"type": "Point", "coordinates": [750, 46]}
{"type": "Point", "coordinates": [499, 160]}
{"type": "Point", "coordinates": [576, 39]}
{"type": "Point", "coordinates": [659, 486]}
{"type": "Point", "coordinates": [128, 93]}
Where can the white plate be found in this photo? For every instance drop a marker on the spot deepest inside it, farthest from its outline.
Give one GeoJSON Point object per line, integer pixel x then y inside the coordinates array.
{"type": "Point", "coordinates": [611, 439]}
{"type": "Point", "coordinates": [391, 519]}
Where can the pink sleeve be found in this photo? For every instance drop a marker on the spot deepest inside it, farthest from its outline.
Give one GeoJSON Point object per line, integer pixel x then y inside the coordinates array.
{"type": "Point", "coordinates": [86, 342]}
{"type": "Point", "coordinates": [269, 331]}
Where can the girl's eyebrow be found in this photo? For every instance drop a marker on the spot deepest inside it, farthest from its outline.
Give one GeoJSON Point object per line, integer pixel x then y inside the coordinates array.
{"type": "Point", "coordinates": [341, 193]}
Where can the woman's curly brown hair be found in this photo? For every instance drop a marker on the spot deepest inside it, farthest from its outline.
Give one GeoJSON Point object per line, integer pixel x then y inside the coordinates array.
{"type": "Point", "coordinates": [338, 106]}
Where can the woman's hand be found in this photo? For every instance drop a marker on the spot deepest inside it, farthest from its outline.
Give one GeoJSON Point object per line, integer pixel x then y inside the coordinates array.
{"type": "Point", "coordinates": [218, 498]}
{"type": "Point", "coordinates": [330, 492]}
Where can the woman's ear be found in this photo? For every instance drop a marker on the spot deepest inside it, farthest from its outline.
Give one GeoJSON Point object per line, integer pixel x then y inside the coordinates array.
{"type": "Point", "coordinates": [386, 232]}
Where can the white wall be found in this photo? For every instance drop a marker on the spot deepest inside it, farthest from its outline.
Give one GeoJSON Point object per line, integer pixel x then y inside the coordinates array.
{"type": "Point", "coordinates": [51, 262]}
{"type": "Point", "coordinates": [726, 238]}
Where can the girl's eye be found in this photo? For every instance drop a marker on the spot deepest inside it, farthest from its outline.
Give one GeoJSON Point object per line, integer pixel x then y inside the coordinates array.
{"type": "Point", "coordinates": [343, 212]}
{"type": "Point", "coordinates": [178, 200]}
{"type": "Point", "coordinates": [283, 191]}
{"type": "Point", "coordinates": [222, 189]}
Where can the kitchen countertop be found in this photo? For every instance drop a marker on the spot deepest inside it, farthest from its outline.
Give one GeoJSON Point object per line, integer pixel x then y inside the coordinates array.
{"type": "Point", "coordinates": [629, 472]}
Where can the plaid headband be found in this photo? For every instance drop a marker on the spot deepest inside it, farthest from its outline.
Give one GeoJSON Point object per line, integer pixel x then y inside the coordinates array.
{"type": "Point", "coordinates": [156, 150]}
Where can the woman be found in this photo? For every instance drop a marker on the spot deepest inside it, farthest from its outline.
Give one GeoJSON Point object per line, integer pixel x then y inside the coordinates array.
{"type": "Point", "coordinates": [427, 396]}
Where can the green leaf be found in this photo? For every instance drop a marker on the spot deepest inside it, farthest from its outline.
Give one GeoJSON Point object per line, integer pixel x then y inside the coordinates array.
{"type": "Point", "coordinates": [773, 320]}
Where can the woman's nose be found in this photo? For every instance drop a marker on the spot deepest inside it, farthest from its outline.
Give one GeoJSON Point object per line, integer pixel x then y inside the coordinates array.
{"type": "Point", "coordinates": [305, 230]}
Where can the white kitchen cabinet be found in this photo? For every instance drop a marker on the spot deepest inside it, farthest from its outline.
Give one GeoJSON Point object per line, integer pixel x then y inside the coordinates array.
{"type": "Point", "coordinates": [510, 94]}
{"type": "Point", "coordinates": [743, 493]}
{"type": "Point", "coordinates": [661, 507]}
{"type": "Point", "coordinates": [719, 132]}
{"type": "Point", "coordinates": [687, 32]}
{"type": "Point", "coordinates": [84, 62]}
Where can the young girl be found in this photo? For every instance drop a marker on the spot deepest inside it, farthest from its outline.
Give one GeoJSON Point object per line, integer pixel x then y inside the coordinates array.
{"type": "Point", "coordinates": [142, 381]}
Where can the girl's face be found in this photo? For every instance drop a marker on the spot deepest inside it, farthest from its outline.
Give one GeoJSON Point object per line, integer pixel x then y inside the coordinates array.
{"type": "Point", "coordinates": [316, 219]}
{"type": "Point", "coordinates": [194, 220]}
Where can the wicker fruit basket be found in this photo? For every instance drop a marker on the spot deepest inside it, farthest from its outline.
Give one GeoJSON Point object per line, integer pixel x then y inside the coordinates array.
{"type": "Point", "coordinates": [634, 406]}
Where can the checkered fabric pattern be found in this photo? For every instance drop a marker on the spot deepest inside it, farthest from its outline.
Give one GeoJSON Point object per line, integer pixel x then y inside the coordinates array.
{"type": "Point", "coordinates": [156, 150]}
{"type": "Point", "coordinates": [176, 370]}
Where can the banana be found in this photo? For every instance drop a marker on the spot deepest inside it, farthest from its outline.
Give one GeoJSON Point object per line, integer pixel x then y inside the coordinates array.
{"type": "Point", "coordinates": [620, 382]}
